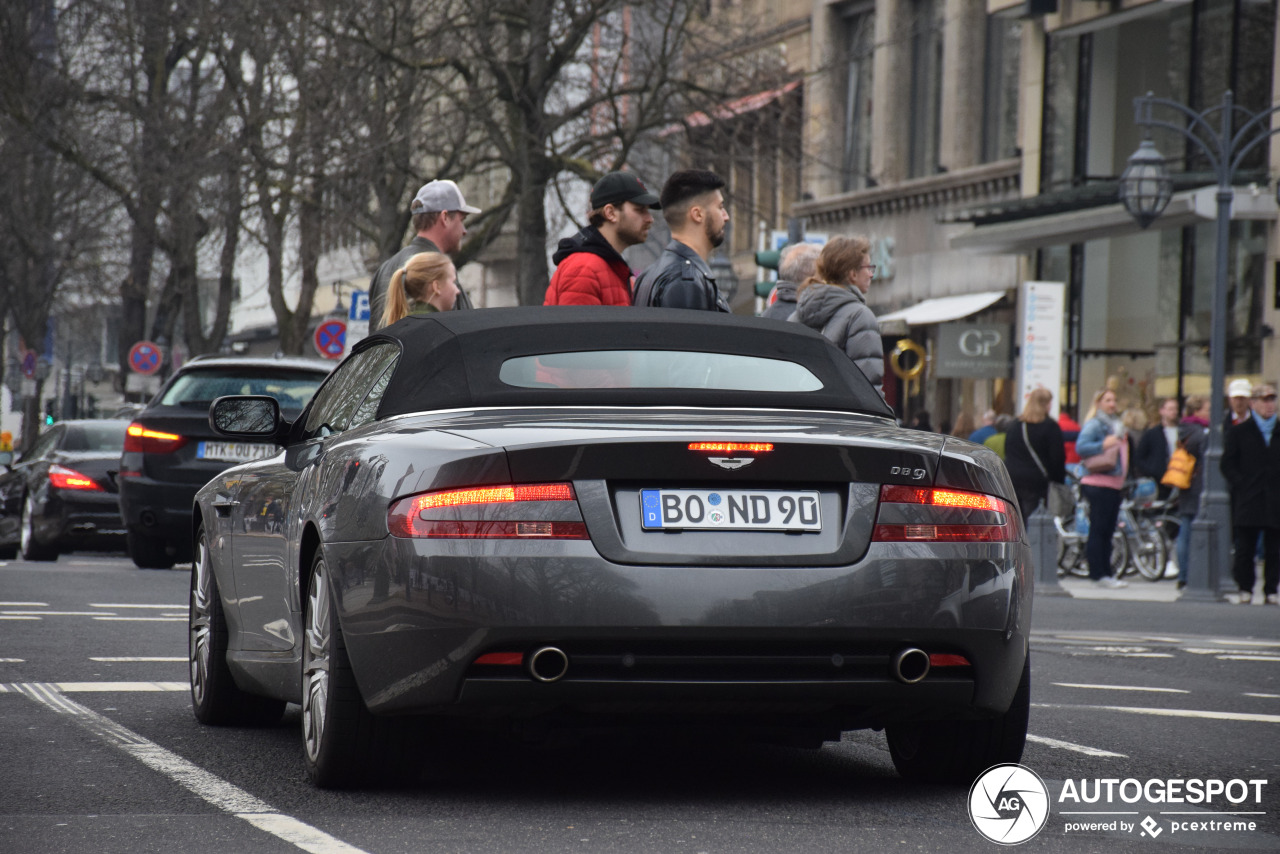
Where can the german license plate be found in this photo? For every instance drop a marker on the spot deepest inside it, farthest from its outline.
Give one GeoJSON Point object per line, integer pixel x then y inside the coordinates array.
{"type": "Point", "coordinates": [730, 510]}
{"type": "Point", "coordinates": [240, 452]}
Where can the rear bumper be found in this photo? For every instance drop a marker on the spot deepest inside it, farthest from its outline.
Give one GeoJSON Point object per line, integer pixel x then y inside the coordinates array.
{"type": "Point", "coordinates": [416, 617]}
{"type": "Point", "coordinates": [160, 510]}
{"type": "Point", "coordinates": [76, 519]}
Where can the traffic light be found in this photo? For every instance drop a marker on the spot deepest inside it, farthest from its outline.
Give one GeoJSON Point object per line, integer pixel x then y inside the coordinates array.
{"type": "Point", "coordinates": [48, 412]}
{"type": "Point", "coordinates": [769, 259]}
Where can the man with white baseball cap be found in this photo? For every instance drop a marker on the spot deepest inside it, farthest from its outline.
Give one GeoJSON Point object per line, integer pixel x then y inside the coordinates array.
{"type": "Point", "coordinates": [1239, 393]}
{"type": "Point", "coordinates": [439, 212]}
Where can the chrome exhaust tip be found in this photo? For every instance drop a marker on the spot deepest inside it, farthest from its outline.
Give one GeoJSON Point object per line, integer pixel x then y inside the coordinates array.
{"type": "Point", "coordinates": [548, 664]}
{"type": "Point", "coordinates": [910, 665]}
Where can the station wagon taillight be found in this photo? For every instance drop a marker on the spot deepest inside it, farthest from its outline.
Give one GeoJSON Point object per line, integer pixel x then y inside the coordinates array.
{"type": "Point", "coordinates": [61, 477]}
{"type": "Point", "coordinates": [912, 514]}
{"type": "Point", "coordinates": [405, 516]}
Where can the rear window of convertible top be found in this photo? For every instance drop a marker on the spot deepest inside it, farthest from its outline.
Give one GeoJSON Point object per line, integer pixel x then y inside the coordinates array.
{"type": "Point", "coordinates": [657, 369]}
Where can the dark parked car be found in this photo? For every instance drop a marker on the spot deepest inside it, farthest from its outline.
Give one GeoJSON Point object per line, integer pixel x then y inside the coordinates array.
{"type": "Point", "coordinates": [625, 517]}
{"type": "Point", "coordinates": [62, 494]}
{"type": "Point", "coordinates": [170, 450]}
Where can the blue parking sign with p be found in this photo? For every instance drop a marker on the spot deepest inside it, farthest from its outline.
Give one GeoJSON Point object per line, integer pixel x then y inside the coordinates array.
{"type": "Point", "coordinates": [359, 306]}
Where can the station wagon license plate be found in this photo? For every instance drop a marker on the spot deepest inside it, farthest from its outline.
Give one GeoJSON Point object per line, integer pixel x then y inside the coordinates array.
{"type": "Point", "coordinates": [240, 452]}
{"type": "Point", "coordinates": [730, 510]}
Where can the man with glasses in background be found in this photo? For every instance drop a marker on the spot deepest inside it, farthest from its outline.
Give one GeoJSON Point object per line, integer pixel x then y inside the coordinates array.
{"type": "Point", "coordinates": [1251, 465]}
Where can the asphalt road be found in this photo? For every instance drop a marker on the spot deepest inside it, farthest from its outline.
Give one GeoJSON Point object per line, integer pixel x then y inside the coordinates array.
{"type": "Point", "coordinates": [101, 752]}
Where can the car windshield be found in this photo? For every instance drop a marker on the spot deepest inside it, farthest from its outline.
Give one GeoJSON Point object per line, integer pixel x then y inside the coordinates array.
{"type": "Point", "coordinates": [108, 436]}
{"type": "Point", "coordinates": [197, 389]}
{"type": "Point", "coordinates": [657, 369]}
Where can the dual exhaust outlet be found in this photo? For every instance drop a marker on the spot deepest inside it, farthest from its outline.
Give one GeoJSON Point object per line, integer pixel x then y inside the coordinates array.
{"type": "Point", "coordinates": [550, 664]}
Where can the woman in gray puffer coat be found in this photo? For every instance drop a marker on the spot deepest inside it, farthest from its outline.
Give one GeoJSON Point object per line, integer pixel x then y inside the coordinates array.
{"type": "Point", "coordinates": [833, 302]}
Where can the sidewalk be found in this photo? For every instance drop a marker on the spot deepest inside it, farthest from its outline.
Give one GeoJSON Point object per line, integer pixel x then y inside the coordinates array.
{"type": "Point", "coordinates": [1139, 590]}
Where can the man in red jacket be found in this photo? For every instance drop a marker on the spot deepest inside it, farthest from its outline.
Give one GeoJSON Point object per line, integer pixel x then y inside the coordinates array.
{"type": "Point", "coordinates": [590, 269]}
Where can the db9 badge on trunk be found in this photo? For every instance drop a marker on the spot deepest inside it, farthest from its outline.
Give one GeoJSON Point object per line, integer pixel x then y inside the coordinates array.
{"type": "Point", "coordinates": [730, 510]}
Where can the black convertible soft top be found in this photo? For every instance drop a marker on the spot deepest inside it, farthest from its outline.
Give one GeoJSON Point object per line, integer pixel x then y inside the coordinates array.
{"type": "Point", "coordinates": [452, 359]}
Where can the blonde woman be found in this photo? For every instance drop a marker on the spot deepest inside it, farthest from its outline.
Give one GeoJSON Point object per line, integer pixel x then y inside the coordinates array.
{"type": "Point", "coordinates": [1102, 431]}
{"type": "Point", "coordinates": [427, 283]}
{"type": "Point", "coordinates": [833, 301]}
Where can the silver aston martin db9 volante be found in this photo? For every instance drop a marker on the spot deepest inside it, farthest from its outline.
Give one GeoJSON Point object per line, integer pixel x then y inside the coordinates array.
{"type": "Point", "coordinates": [622, 517]}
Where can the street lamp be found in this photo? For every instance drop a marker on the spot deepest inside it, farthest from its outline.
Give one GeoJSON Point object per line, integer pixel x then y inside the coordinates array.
{"type": "Point", "coordinates": [1145, 189]}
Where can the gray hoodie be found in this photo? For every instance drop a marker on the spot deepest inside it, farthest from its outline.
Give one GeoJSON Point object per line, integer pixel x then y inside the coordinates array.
{"type": "Point", "coordinates": [842, 316]}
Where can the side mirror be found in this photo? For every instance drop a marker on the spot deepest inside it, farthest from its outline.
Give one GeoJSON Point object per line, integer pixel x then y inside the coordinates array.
{"type": "Point", "coordinates": [248, 417]}
{"type": "Point", "coordinates": [6, 458]}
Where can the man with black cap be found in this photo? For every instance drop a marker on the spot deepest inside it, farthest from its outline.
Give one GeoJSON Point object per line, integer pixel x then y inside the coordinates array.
{"type": "Point", "coordinates": [439, 211]}
{"type": "Point", "coordinates": [590, 269]}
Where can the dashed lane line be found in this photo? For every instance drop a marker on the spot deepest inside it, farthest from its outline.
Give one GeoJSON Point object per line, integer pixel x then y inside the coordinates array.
{"type": "Point", "coordinates": [181, 619]}
{"type": "Point", "coordinates": [1169, 713]}
{"type": "Point", "coordinates": [1075, 748]}
{"type": "Point", "coordinates": [103, 687]}
{"type": "Point", "coordinates": [1120, 688]}
{"type": "Point", "coordinates": [131, 658]}
{"type": "Point", "coordinates": [50, 613]}
{"type": "Point", "coordinates": [24, 604]}
{"type": "Point", "coordinates": [1249, 658]}
{"type": "Point", "coordinates": [1263, 696]}
{"type": "Point", "coordinates": [128, 605]}
{"type": "Point", "coordinates": [214, 790]}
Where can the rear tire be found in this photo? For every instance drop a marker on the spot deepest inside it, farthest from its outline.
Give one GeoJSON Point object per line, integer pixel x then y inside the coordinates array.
{"type": "Point", "coordinates": [31, 548]}
{"type": "Point", "coordinates": [958, 751]}
{"type": "Point", "coordinates": [148, 552]}
{"type": "Point", "coordinates": [215, 697]}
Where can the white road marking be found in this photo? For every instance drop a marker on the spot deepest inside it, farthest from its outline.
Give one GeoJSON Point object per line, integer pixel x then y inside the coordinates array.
{"type": "Point", "coordinates": [1265, 696]}
{"type": "Point", "coordinates": [24, 604]}
{"type": "Point", "coordinates": [127, 605]}
{"type": "Point", "coordinates": [49, 613]}
{"type": "Point", "coordinates": [1196, 650]}
{"type": "Point", "coordinates": [1120, 688]}
{"type": "Point", "coordinates": [1238, 642]}
{"type": "Point", "coordinates": [5, 617]}
{"type": "Point", "coordinates": [1077, 748]}
{"type": "Point", "coordinates": [181, 619]}
{"type": "Point", "coordinates": [12, 661]}
{"type": "Point", "coordinates": [125, 658]}
{"type": "Point", "coordinates": [1171, 713]}
{"type": "Point", "coordinates": [1124, 654]}
{"type": "Point", "coordinates": [214, 790]}
{"type": "Point", "coordinates": [82, 687]}
{"type": "Point", "coordinates": [1248, 658]}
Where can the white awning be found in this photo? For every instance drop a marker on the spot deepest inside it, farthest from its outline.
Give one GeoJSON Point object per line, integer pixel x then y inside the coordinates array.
{"type": "Point", "coordinates": [942, 309]}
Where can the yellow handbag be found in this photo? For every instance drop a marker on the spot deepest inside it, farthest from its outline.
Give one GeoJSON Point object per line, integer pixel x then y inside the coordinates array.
{"type": "Point", "coordinates": [1181, 467]}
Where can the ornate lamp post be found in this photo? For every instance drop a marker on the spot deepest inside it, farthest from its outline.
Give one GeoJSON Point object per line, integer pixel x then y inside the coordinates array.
{"type": "Point", "coordinates": [1145, 190]}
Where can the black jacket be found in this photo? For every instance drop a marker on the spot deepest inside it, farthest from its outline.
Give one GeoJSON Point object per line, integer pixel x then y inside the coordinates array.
{"type": "Point", "coordinates": [679, 279]}
{"type": "Point", "coordinates": [1252, 468]}
{"type": "Point", "coordinates": [1152, 455]}
{"type": "Point", "coordinates": [1046, 439]}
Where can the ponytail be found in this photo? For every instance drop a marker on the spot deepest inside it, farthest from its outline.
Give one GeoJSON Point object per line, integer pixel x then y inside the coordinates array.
{"type": "Point", "coordinates": [397, 303]}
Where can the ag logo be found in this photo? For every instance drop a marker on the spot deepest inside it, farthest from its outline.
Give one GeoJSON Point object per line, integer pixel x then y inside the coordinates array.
{"type": "Point", "coordinates": [1009, 804]}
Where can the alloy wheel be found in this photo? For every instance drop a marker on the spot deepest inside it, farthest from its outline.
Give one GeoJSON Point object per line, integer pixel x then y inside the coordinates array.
{"type": "Point", "coordinates": [27, 534]}
{"type": "Point", "coordinates": [315, 663]}
{"type": "Point", "coordinates": [201, 622]}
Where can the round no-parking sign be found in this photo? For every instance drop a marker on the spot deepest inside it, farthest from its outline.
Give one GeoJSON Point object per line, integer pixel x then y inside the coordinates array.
{"type": "Point", "coordinates": [144, 358]}
{"type": "Point", "coordinates": [331, 339]}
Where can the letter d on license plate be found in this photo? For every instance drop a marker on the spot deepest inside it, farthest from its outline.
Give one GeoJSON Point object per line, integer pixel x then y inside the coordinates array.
{"type": "Point", "coordinates": [730, 510]}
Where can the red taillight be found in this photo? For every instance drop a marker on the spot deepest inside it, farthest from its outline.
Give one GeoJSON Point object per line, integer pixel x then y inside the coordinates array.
{"type": "Point", "coordinates": [405, 516]}
{"type": "Point", "coordinates": [1003, 530]}
{"type": "Point", "coordinates": [732, 447]}
{"type": "Point", "coordinates": [61, 477]}
{"type": "Point", "coordinates": [140, 439]}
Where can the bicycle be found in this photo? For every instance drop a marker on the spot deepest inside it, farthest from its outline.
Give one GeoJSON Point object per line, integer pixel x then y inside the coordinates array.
{"type": "Point", "coordinates": [1073, 535]}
